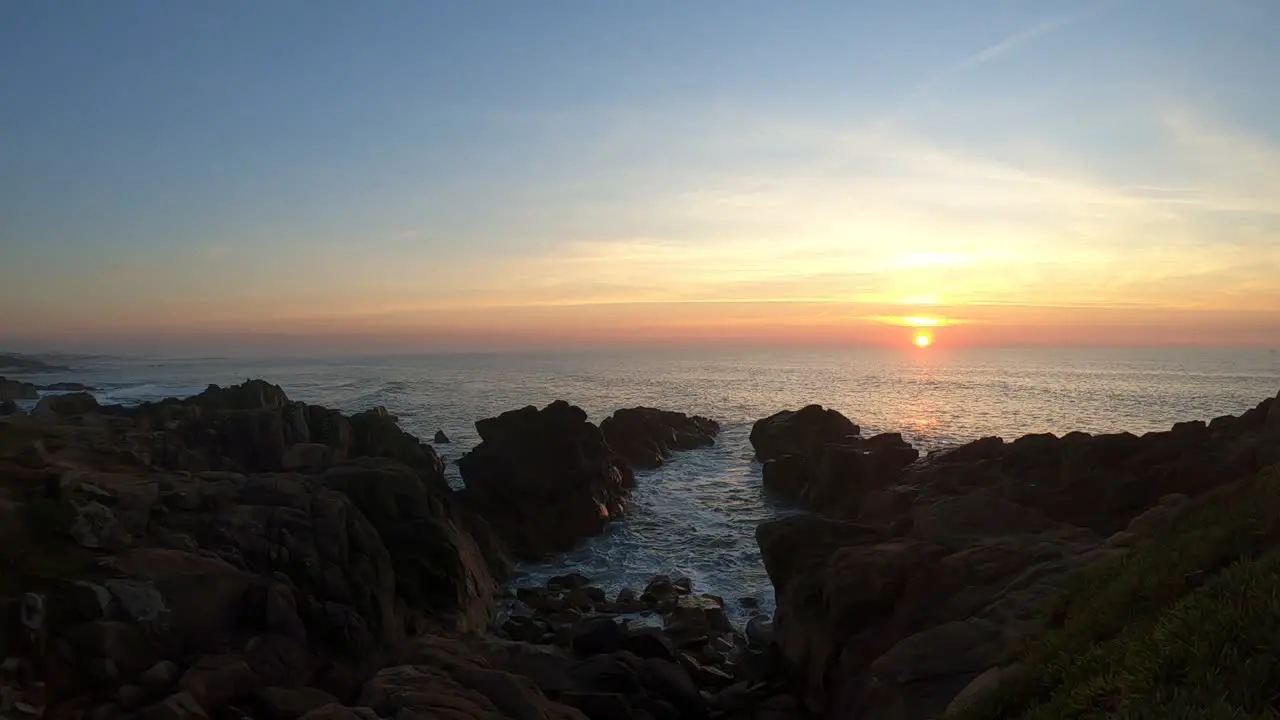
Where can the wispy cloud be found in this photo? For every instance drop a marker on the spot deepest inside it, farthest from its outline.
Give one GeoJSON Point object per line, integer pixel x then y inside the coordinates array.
{"type": "Point", "coordinates": [1003, 47]}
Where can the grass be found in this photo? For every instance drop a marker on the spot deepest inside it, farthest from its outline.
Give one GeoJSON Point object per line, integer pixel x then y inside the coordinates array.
{"type": "Point", "coordinates": [1187, 625]}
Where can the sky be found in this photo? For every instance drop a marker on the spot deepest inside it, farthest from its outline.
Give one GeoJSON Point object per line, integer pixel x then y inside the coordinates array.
{"type": "Point", "coordinates": [434, 176]}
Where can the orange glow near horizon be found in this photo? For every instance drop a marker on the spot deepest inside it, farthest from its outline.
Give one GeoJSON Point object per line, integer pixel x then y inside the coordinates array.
{"type": "Point", "coordinates": [923, 340]}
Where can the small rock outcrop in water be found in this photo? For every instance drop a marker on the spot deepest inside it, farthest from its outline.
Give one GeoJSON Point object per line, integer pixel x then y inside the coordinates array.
{"type": "Point", "coordinates": [17, 390]}
{"type": "Point", "coordinates": [68, 387]}
{"type": "Point", "coordinates": [544, 479]}
{"type": "Point", "coordinates": [646, 436]}
{"type": "Point", "coordinates": [916, 588]}
{"type": "Point", "coordinates": [440, 438]}
{"type": "Point", "coordinates": [817, 458]}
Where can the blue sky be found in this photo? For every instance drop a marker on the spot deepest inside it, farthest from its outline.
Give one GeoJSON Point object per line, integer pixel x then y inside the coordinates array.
{"type": "Point", "coordinates": [173, 168]}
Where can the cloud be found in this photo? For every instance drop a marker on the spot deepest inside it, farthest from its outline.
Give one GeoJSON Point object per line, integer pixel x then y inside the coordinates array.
{"type": "Point", "coordinates": [1003, 47]}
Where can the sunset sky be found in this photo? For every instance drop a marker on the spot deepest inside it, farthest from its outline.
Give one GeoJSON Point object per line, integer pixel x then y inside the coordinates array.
{"type": "Point", "coordinates": [469, 175]}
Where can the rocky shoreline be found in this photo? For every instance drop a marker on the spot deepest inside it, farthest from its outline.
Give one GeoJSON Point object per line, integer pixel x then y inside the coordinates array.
{"type": "Point", "coordinates": [239, 554]}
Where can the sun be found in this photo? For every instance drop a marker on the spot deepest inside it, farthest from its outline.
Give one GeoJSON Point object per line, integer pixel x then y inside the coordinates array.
{"type": "Point", "coordinates": [922, 340]}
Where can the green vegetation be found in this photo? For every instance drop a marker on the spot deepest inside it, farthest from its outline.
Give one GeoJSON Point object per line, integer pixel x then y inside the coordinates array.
{"type": "Point", "coordinates": [1187, 625]}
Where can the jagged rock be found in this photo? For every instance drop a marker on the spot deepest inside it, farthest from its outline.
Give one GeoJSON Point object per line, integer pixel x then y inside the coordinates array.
{"type": "Point", "coordinates": [439, 566]}
{"type": "Point", "coordinates": [440, 438]}
{"type": "Point", "coordinates": [800, 432]}
{"type": "Point", "coordinates": [52, 407]}
{"type": "Point", "coordinates": [544, 479]}
{"type": "Point", "coordinates": [17, 390]}
{"type": "Point", "coordinates": [646, 437]}
{"type": "Point", "coordinates": [571, 581]}
{"type": "Point", "coordinates": [307, 457]}
{"type": "Point", "coordinates": [376, 434]}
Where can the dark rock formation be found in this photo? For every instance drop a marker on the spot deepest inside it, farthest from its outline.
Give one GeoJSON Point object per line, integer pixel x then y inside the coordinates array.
{"type": "Point", "coordinates": [544, 479]}
{"type": "Point", "coordinates": [818, 459]}
{"type": "Point", "coordinates": [52, 407]}
{"type": "Point", "coordinates": [251, 427]}
{"type": "Point", "coordinates": [440, 438]}
{"type": "Point", "coordinates": [68, 387]}
{"type": "Point", "coordinates": [646, 437]}
{"type": "Point", "coordinates": [800, 432]}
{"type": "Point", "coordinates": [17, 390]}
{"type": "Point", "coordinates": [135, 582]}
{"type": "Point", "coordinates": [957, 558]}
{"type": "Point", "coordinates": [439, 567]}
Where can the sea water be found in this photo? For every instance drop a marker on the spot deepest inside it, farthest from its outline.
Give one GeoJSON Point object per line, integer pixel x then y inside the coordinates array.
{"type": "Point", "coordinates": [696, 515]}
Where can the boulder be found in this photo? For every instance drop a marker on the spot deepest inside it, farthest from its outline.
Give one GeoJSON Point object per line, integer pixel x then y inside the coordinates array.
{"type": "Point", "coordinates": [544, 479]}
{"type": "Point", "coordinates": [817, 459]}
{"type": "Point", "coordinates": [439, 567]}
{"type": "Point", "coordinates": [17, 390]}
{"type": "Point", "coordinates": [440, 438]}
{"type": "Point", "coordinates": [646, 437]}
{"type": "Point", "coordinates": [53, 407]}
{"type": "Point", "coordinates": [800, 432]}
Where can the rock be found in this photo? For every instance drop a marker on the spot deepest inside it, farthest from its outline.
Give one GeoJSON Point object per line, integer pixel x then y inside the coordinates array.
{"type": "Point", "coordinates": [139, 600]}
{"type": "Point", "coordinates": [67, 387]}
{"type": "Point", "coordinates": [572, 581]}
{"type": "Point", "coordinates": [646, 437]}
{"type": "Point", "coordinates": [11, 390]}
{"type": "Point", "coordinates": [159, 676]}
{"type": "Point", "coordinates": [660, 587]}
{"type": "Point", "coordinates": [216, 681]}
{"type": "Point", "coordinates": [53, 407]}
{"type": "Point", "coordinates": [648, 642]}
{"type": "Point", "coordinates": [759, 631]}
{"type": "Point", "coordinates": [684, 586]}
{"type": "Point", "coordinates": [376, 434]}
{"type": "Point", "coordinates": [96, 527]}
{"type": "Point", "coordinates": [334, 711]}
{"type": "Point", "coordinates": [179, 706]}
{"type": "Point", "coordinates": [817, 459]}
{"type": "Point", "coordinates": [8, 407]}
{"type": "Point", "coordinates": [291, 703]}
{"type": "Point", "coordinates": [626, 596]}
{"type": "Point", "coordinates": [307, 457]}
{"type": "Point", "coordinates": [525, 629]}
{"type": "Point", "coordinates": [598, 636]}
{"type": "Point", "coordinates": [439, 566]}
{"type": "Point", "coordinates": [129, 697]}
{"type": "Point", "coordinates": [800, 432]}
{"type": "Point", "coordinates": [749, 602]}
{"type": "Point", "coordinates": [459, 692]}
{"type": "Point", "coordinates": [440, 438]}
{"type": "Point", "coordinates": [984, 684]}
{"type": "Point", "coordinates": [544, 479]}
{"type": "Point", "coordinates": [599, 704]}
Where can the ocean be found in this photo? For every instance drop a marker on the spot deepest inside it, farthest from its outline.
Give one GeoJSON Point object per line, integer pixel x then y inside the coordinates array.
{"type": "Point", "coordinates": [696, 515]}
